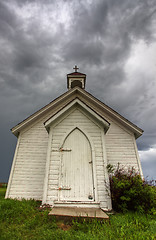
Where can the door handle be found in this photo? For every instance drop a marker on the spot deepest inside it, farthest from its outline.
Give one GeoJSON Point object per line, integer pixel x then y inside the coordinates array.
{"type": "Point", "coordinates": [90, 197]}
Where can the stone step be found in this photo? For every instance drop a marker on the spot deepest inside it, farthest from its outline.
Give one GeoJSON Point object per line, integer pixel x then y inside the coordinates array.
{"type": "Point", "coordinates": [79, 212]}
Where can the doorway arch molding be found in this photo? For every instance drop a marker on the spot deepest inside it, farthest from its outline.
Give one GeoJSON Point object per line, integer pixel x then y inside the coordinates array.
{"type": "Point", "coordinates": [83, 132]}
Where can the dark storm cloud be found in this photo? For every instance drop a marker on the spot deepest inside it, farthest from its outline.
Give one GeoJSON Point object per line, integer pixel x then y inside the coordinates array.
{"type": "Point", "coordinates": [8, 20]}
{"type": "Point", "coordinates": [110, 26]}
{"type": "Point", "coordinates": [40, 41]}
{"type": "Point", "coordinates": [149, 164]}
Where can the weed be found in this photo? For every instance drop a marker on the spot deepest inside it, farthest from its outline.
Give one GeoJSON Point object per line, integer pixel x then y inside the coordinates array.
{"type": "Point", "coordinates": [24, 220]}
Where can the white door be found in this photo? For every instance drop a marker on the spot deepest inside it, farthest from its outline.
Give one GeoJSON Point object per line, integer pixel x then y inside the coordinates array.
{"type": "Point", "coordinates": [76, 180]}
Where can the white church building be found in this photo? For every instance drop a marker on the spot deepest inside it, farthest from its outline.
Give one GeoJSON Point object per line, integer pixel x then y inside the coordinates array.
{"type": "Point", "coordinates": [64, 148]}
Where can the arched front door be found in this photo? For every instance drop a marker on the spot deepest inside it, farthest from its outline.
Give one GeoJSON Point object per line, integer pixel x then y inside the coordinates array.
{"type": "Point", "coordinates": [76, 179]}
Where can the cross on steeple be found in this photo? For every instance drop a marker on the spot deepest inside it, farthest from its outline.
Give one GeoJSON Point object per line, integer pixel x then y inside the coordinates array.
{"type": "Point", "coordinates": [76, 79]}
{"type": "Point", "coordinates": [75, 68]}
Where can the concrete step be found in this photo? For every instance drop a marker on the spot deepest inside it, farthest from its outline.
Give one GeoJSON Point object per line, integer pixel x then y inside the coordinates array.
{"type": "Point", "coordinates": [79, 212]}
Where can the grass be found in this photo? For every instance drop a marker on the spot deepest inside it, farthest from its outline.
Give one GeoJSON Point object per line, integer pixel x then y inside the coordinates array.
{"type": "Point", "coordinates": [2, 192]}
{"type": "Point", "coordinates": [22, 220]}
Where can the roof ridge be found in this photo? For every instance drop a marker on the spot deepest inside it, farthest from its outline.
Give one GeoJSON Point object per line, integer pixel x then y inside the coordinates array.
{"type": "Point", "coordinates": [105, 107]}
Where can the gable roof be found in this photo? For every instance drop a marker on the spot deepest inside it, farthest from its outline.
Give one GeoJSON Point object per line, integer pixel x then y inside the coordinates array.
{"type": "Point", "coordinates": [86, 98]}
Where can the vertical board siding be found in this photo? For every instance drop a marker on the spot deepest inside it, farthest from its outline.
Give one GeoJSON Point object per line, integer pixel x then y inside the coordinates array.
{"type": "Point", "coordinates": [76, 171]}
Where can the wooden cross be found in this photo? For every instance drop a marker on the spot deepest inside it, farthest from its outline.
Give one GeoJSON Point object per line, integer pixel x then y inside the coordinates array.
{"type": "Point", "coordinates": [75, 68]}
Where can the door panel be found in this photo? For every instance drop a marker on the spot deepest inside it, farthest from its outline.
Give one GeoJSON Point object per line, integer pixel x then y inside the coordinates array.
{"type": "Point", "coordinates": [76, 183]}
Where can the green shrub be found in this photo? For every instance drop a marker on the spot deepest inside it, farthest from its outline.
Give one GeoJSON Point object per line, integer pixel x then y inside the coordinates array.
{"type": "Point", "coordinates": [130, 192]}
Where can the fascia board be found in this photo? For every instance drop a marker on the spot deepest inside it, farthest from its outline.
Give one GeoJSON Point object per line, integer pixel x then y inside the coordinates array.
{"type": "Point", "coordinates": [138, 132]}
{"type": "Point", "coordinates": [53, 118]}
{"type": "Point", "coordinates": [114, 114]}
{"type": "Point", "coordinates": [32, 117]}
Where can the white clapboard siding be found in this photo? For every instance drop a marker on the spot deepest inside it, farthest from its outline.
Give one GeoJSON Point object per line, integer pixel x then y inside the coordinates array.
{"type": "Point", "coordinates": [120, 147]}
{"type": "Point", "coordinates": [29, 168]}
{"type": "Point", "coordinates": [76, 119]}
{"type": "Point", "coordinates": [28, 174]}
{"type": "Point", "coordinates": [32, 148]}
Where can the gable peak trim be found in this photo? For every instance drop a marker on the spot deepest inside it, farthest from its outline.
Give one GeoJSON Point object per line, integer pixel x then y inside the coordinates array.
{"type": "Point", "coordinates": [84, 106]}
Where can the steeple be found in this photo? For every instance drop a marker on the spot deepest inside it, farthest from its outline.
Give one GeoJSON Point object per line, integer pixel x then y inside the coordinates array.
{"type": "Point", "coordinates": [76, 79]}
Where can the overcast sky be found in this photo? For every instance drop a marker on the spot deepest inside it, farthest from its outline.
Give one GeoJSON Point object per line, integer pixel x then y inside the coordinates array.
{"type": "Point", "coordinates": [113, 42]}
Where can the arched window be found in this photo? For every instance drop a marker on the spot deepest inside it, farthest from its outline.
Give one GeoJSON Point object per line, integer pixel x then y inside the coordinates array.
{"type": "Point", "coordinates": [76, 83]}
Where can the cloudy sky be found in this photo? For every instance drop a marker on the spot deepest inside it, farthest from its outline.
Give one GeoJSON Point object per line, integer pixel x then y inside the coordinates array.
{"type": "Point", "coordinates": [112, 41]}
